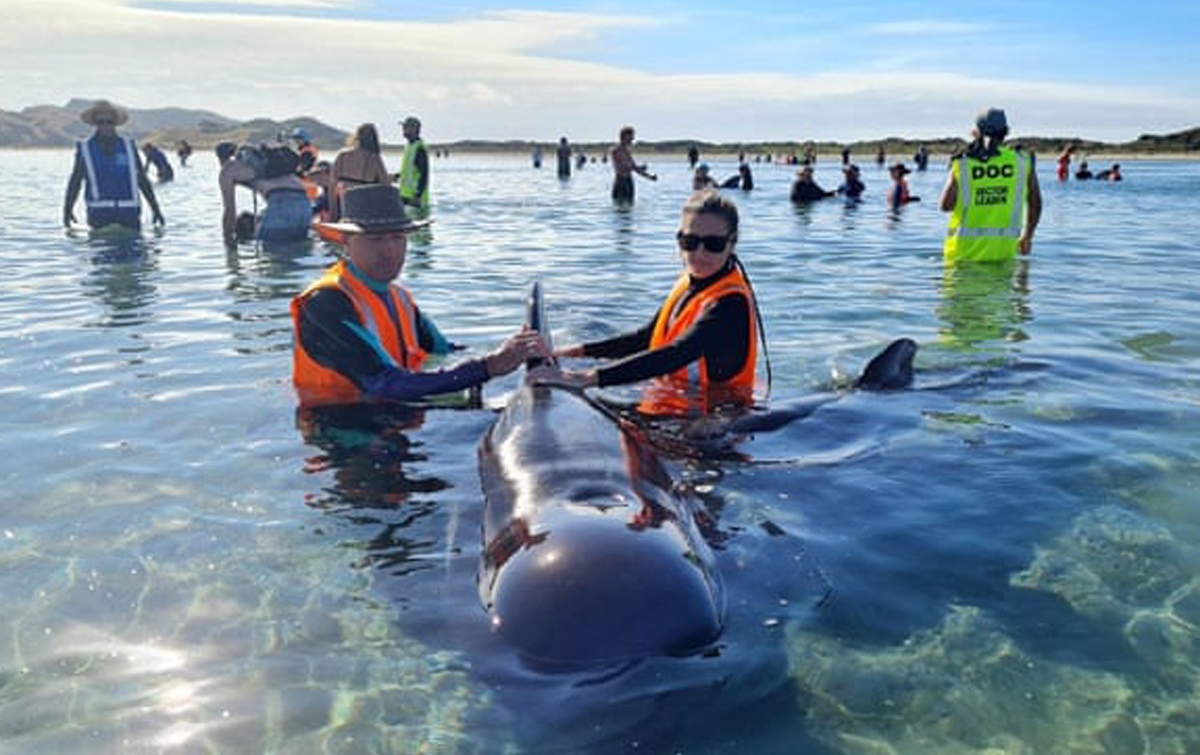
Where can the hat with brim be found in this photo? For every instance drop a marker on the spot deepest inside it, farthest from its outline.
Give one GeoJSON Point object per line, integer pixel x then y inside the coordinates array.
{"type": "Point", "coordinates": [103, 110]}
{"type": "Point", "coordinates": [900, 168]}
{"type": "Point", "coordinates": [375, 208]}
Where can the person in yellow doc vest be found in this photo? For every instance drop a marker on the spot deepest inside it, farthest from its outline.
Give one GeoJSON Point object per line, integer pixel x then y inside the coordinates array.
{"type": "Point", "coordinates": [414, 167]}
{"type": "Point", "coordinates": [992, 195]}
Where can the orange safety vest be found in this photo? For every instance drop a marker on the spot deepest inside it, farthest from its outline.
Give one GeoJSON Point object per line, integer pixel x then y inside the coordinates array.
{"type": "Point", "coordinates": [317, 384]}
{"type": "Point", "coordinates": [670, 324]}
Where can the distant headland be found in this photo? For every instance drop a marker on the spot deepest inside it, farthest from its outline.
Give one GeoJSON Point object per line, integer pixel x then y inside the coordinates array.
{"type": "Point", "coordinates": [54, 126]}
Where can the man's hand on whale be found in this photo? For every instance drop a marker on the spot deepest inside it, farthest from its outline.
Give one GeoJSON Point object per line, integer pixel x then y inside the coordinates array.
{"type": "Point", "coordinates": [527, 344]}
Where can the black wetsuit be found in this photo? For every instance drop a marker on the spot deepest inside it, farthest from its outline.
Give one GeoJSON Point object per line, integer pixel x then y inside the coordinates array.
{"type": "Point", "coordinates": [808, 191]}
{"type": "Point", "coordinates": [719, 336]}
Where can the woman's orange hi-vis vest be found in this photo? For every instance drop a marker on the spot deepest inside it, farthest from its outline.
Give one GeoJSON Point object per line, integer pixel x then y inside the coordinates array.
{"type": "Point", "coordinates": [670, 324]}
{"type": "Point", "coordinates": [317, 384]}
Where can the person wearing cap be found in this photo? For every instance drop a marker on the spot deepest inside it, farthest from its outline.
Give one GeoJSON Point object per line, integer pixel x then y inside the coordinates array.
{"type": "Point", "coordinates": [109, 167]}
{"type": "Point", "coordinates": [898, 193]}
{"type": "Point", "coordinates": [992, 195]}
{"type": "Point", "coordinates": [852, 185]}
{"type": "Point", "coordinates": [704, 335]}
{"type": "Point", "coordinates": [414, 167]}
{"type": "Point", "coordinates": [305, 148]}
{"type": "Point", "coordinates": [702, 178]}
{"type": "Point", "coordinates": [359, 336]}
{"type": "Point", "coordinates": [624, 166]}
{"type": "Point", "coordinates": [805, 189]}
{"type": "Point", "coordinates": [287, 215]}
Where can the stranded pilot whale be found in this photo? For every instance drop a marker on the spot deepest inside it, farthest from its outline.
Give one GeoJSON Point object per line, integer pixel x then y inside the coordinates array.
{"type": "Point", "coordinates": [590, 552]}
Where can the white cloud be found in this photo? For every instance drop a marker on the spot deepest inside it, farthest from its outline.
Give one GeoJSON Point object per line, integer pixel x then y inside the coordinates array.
{"type": "Point", "coordinates": [515, 75]}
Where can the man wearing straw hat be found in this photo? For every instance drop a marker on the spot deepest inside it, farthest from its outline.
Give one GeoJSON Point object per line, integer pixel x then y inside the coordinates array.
{"type": "Point", "coordinates": [113, 173]}
{"type": "Point", "coordinates": [360, 337]}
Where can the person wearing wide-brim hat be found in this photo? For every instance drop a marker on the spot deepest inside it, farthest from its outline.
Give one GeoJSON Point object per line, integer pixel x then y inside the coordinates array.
{"type": "Point", "coordinates": [110, 168]}
{"type": "Point", "coordinates": [899, 193]}
{"type": "Point", "coordinates": [992, 195]}
{"type": "Point", "coordinates": [359, 336]}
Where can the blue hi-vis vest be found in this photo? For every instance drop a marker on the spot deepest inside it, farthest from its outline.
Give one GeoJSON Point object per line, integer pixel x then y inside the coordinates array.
{"type": "Point", "coordinates": [112, 187]}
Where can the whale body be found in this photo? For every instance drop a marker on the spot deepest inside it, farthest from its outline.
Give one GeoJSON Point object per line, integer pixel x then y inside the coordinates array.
{"type": "Point", "coordinates": [591, 553]}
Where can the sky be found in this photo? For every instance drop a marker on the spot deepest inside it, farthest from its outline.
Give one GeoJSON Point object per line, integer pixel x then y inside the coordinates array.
{"type": "Point", "coordinates": [742, 71]}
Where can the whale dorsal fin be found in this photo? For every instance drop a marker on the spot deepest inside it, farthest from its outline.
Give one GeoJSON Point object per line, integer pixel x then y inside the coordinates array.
{"type": "Point", "coordinates": [535, 319]}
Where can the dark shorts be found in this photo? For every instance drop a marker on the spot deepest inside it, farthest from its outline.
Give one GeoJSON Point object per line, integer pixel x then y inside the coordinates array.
{"type": "Point", "coordinates": [622, 190]}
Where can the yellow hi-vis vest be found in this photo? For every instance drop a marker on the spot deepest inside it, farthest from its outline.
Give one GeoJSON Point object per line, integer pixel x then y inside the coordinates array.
{"type": "Point", "coordinates": [989, 210]}
{"type": "Point", "coordinates": [410, 181]}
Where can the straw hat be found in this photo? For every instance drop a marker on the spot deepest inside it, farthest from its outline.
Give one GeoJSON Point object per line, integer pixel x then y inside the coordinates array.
{"type": "Point", "coordinates": [103, 110]}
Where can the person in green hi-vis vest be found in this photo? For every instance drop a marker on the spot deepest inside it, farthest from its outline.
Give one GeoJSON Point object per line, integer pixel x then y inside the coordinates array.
{"type": "Point", "coordinates": [414, 167]}
{"type": "Point", "coordinates": [992, 195]}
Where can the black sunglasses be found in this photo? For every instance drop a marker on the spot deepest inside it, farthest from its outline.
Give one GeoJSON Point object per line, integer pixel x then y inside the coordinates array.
{"type": "Point", "coordinates": [690, 242]}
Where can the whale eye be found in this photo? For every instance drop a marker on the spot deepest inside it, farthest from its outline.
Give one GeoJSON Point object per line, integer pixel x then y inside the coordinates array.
{"type": "Point", "coordinates": [602, 497]}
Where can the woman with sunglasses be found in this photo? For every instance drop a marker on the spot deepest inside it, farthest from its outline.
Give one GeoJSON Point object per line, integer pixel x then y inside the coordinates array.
{"type": "Point", "coordinates": [706, 332]}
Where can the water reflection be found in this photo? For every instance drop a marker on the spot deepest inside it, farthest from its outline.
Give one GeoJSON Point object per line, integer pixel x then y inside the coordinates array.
{"type": "Point", "coordinates": [122, 278]}
{"type": "Point", "coordinates": [984, 302]}
{"type": "Point", "coordinates": [265, 272]}
{"type": "Point", "coordinates": [374, 461]}
{"type": "Point", "coordinates": [623, 227]}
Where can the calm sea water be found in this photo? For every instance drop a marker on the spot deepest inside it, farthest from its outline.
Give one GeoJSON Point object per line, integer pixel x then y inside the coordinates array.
{"type": "Point", "coordinates": [1002, 559]}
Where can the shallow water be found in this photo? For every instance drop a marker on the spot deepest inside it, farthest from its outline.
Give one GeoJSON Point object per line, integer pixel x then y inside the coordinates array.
{"type": "Point", "coordinates": [1002, 559]}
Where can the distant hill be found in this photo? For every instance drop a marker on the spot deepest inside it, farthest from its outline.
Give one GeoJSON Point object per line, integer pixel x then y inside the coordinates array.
{"type": "Point", "coordinates": [48, 126]}
{"type": "Point", "coordinates": [43, 126]}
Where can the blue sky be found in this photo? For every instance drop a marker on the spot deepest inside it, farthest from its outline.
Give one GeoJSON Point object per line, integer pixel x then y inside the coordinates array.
{"type": "Point", "coordinates": [738, 71]}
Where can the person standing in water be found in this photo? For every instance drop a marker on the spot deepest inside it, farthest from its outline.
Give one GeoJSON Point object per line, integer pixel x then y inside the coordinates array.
{"type": "Point", "coordinates": [359, 163]}
{"type": "Point", "coordinates": [992, 195]}
{"type": "Point", "coordinates": [624, 166]}
{"type": "Point", "coordinates": [158, 158]}
{"type": "Point", "coordinates": [563, 153]}
{"type": "Point", "coordinates": [414, 167]}
{"type": "Point", "coordinates": [108, 166]}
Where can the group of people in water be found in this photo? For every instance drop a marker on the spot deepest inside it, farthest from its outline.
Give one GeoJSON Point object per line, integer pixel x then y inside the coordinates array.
{"type": "Point", "coordinates": [360, 336]}
{"type": "Point", "coordinates": [1083, 173]}
{"type": "Point", "coordinates": [295, 186]}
